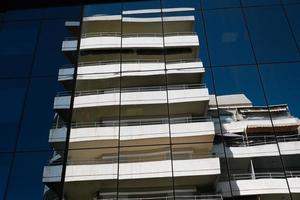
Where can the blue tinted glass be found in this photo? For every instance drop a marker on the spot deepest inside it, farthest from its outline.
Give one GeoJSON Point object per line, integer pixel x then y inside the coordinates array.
{"type": "Point", "coordinates": [227, 38]}
{"type": "Point", "coordinates": [290, 1]}
{"type": "Point", "coordinates": [281, 82]}
{"type": "Point", "coordinates": [38, 114]}
{"type": "Point", "coordinates": [259, 2]}
{"type": "Point", "coordinates": [210, 4]}
{"type": "Point", "coordinates": [97, 9]}
{"type": "Point", "coordinates": [68, 13]}
{"type": "Point", "coordinates": [11, 102]}
{"type": "Point", "coordinates": [49, 56]}
{"type": "Point", "coordinates": [195, 25]}
{"type": "Point", "coordinates": [18, 40]}
{"type": "Point", "coordinates": [5, 161]}
{"type": "Point", "coordinates": [184, 4]}
{"type": "Point", "coordinates": [270, 33]}
{"type": "Point", "coordinates": [26, 178]}
{"type": "Point", "coordinates": [142, 6]}
{"type": "Point", "coordinates": [26, 14]}
{"type": "Point", "coordinates": [293, 13]}
{"type": "Point", "coordinates": [239, 80]}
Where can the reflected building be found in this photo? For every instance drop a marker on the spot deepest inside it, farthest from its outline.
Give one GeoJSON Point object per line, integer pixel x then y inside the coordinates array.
{"type": "Point", "coordinates": [144, 125]}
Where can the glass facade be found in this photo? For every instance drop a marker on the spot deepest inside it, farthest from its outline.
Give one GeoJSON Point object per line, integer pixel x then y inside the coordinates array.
{"type": "Point", "coordinates": [166, 99]}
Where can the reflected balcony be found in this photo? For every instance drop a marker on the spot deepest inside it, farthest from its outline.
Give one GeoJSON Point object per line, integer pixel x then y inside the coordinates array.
{"type": "Point", "coordinates": [150, 101]}
{"type": "Point", "coordinates": [134, 72]}
{"type": "Point", "coordinates": [114, 40]}
{"type": "Point", "coordinates": [259, 146]}
{"type": "Point", "coordinates": [139, 168]}
{"type": "Point", "coordinates": [260, 183]}
{"type": "Point", "coordinates": [136, 132]}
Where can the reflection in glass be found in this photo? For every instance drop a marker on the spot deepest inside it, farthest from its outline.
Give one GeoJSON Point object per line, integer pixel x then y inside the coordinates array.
{"type": "Point", "coordinates": [266, 25]}
{"type": "Point", "coordinates": [18, 40]}
{"type": "Point", "coordinates": [227, 38]}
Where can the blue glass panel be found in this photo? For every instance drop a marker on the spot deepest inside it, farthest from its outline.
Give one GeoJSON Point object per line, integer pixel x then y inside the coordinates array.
{"type": "Point", "coordinates": [212, 4]}
{"type": "Point", "coordinates": [25, 14]}
{"type": "Point", "coordinates": [293, 13]}
{"type": "Point", "coordinates": [26, 178]}
{"type": "Point", "coordinates": [68, 13]}
{"type": "Point", "coordinates": [227, 38]}
{"type": "Point", "coordinates": [239, 80]}
{"type": "Point", "coordinates": [271, 36]}
{"type": "Point", "coordinates": [38, 114]}
{"type": "Point", "coordinates": [11, 102]}
{"type": "Point", "coordinates": [186, 4]}
{"type": "Point", "coordinates": [259, 2]}
{"type": "Point", "coordinates": [18, 40]}
{"type": "Point", "coordinates": [49, 56]}
{"type": "Point", "coordinates": [281, 82]}
{"type": "Point", "coordinates": [5, 162]}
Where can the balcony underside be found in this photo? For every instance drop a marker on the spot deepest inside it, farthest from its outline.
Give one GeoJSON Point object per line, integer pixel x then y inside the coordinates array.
{"type": "Point", "coordinates": [87, 114]}
{"type": "Point", "coordinates": [92, 137]}
{"type": "Point", "coordinates": [259, 187]}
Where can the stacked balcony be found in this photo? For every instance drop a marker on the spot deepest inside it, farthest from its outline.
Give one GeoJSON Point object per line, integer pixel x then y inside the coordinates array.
{"type": "Point", "coordinates": [128, 109]}
{"type": "Point", "coordinates": [255, 137]}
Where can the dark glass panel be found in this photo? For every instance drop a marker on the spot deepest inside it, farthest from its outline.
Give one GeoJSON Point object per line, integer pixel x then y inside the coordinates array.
{"type": "Point", "coordinates": [38, 114]}
{"type": "Point", "coordinates": [18, 40]}
{"type": "Point", "coordinates": [25, 14]}
{"type": "Point", "coordinates": [5, 162]}
{"type": "Point", "coordinates": [212, 4]}
{"type": "Point", "coordinates": [12, 98]}
{"type": "Point", "coordinates": [259, 2]}
{"type": "Point", "coordinates": [49, 56]}
{"type": "Point", "coordinates": [67, 13]}
{"type": "Point", "coordinates": [26, 179]}
{"type": "Point", "coordinates": [270, 33]}
{"type": "Point", "coordinates": [227, 38]}
{"type": "Point", "coordinates": [188, 5]}
{"type": "Point", "coordinates": [293, 13]}
{"type": "Point", "coordinates": [281, 85]}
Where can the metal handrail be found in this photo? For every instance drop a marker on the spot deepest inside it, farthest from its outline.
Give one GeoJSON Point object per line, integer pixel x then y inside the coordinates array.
{"type": "Point", "coordinates": [100, 34]}
{"type": "Point", "coordinates": [250, 141]}
{"type": "Point", "coordinates": [132, 158]}
{"type": "Point", "coordinates": [188, 197]}
{"type": "Point", "coordinates": [266, 175]}
{"type": "Point", "coordinates": [133, 89]}
{"type": "Point", "coordinates": [288, 138]}
{"type": "Point", "coordinates": [139, 122]}
{"type": "Point", "coordinates": [70, 38]}
{"type": "Point", "coordinates": [127, 35]}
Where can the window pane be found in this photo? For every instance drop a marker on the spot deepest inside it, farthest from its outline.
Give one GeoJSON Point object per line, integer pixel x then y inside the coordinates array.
{"type": "Point", "coordinates": [12, 98]}
{"type": "Point", "coordinates": [227, 38]}
{"type": "Point", "coordinates": [293, 13]}
{"type": "Point", "coordinates": [5, 162]}
{"type": "Point", "coordinates": [212, 4]}
{"type": "Point", "coordinates": [38, 114]}
{"type": "Point", "coordinates": [271, 36]}
{"type": "Point", "coordinates": [26, 178]}
{"type": "Point", "coordinates": [18, 40]}
{"type": "Point", "coordinates": [26, 14]}
{"type": "Point", "coordinates": [49, 56]}
{"type": "Point", "coordinates": [259, 2]}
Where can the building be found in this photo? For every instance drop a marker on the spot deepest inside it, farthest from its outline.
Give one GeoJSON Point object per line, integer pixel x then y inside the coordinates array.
{"type": "Point", "coordinates": [155, 100]}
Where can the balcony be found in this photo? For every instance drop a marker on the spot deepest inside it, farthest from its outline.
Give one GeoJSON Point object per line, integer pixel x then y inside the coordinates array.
{"type": "Point", "coordinates": [261, 125]}
{"type": "Point", "coordinates": [259, 146]}
{"type": "Point", "coordinates": [136, 132]}
{"type": "Point", "coordinates": [260, 183]}
{"type": "Point", "coordinates": [206, 167]}
{"type": "Point", "coordinates": [182, 99]}
{"type": "Point", "coordinates": [114, 40]}
{"type": "Point", "coordinates": [133, 71]}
